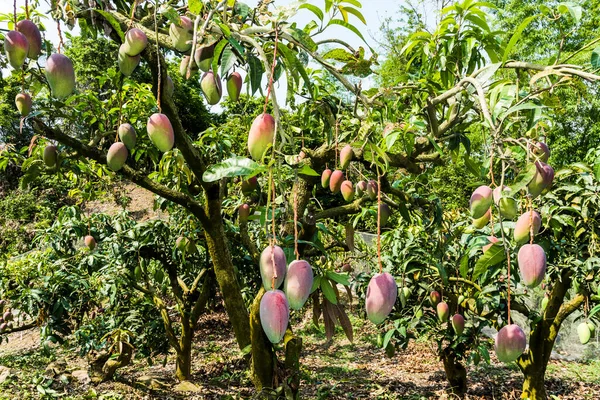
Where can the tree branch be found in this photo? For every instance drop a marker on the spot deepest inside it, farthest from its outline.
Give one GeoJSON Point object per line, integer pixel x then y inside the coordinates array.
{"type": "Point", "coordinates": [134, 175]}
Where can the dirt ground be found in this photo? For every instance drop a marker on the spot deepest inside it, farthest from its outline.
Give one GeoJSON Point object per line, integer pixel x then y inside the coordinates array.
{"type": "Point", "coordinates": [337, 370]}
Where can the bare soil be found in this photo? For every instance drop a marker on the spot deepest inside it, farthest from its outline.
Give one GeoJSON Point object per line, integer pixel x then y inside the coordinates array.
{"type": "Point", "coordinates": [337, 370]}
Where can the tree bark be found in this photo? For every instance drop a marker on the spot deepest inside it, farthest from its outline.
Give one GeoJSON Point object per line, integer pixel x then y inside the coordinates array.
{"type": "Point", "coordinates": [293, 348]}
{"type": "Point", "coordinates": [183, 370]}
{"type": "Point", "coordinates": [218, 250]}
{"type": "Point", "coordinates": [456, 373]}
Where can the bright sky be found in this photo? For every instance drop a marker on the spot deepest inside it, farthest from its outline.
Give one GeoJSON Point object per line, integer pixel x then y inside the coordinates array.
{"type": "Point", "coordinates": [374, 12]}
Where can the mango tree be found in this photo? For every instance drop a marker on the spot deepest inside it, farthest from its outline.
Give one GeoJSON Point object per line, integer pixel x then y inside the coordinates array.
{"type": "Point", "coordinates": [381, 136]}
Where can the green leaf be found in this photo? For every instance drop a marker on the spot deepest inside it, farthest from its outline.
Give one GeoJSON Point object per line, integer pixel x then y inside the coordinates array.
{"type": "Point", "coordinates": [256, 73]}
{"type": "Point", "coordinates": [236, 45]}
{"type": "Point", "coordinates": [195, 6]}
{"type": "Point", "coordinates": [339, 278]}
{"type": "Point", "coordinates": [339, 55]}
{"type": "Point", "coordinates": [464, 266]}
{"type": "Point", "coordinates": [328, 292]}
{"type": "Point", "coordinates": [235, 166]}
{"type": "Point", "coordinates": [314, 9]}
{"type": "Point", "coordinates": [524, 178]}
{"type": "Point", "coordinates": [228, 60]}
{"type": "Point", "coordinates": [575, 10]}
{"type": "Point", "coordinates": [306, 170]}
{"type": "Point", "coordinates": [217, 54]}
{"type": "Point", "coordinates": [388, 337]}
{"type": "Point", "coordinates": [316, 284]}
{"type": "Point", "coordinates": [595, 60]}
{"type": "Point", "coordinates": [516, 36]}
{"type": "Point", "coordinates": [303, 38]}
{"type": "Point", "coordinates": [353, 11]}
{"type": "Point", "coordinates": [293, 62]}
{"type": "Point", "coordinates": [350, 27]}
{"type": "Point", "coordinates": [493, 256]}
{"type": "Point", "coordinates": [113, 22]}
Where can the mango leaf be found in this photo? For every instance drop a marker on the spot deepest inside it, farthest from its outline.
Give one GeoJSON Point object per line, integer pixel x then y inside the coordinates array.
{"type": "Point", "coordinates": [339, 278]}
{"type": "Point", "coordinates": [314, 9]}
{"type": "Point", "coordinates": [113, 22]}
{"type": "Point", "coordinates": [516, 36]}
{"type": "Point", "coordinates": [306, 170]}
{"type": "Point", "coordinates": [302, 38]}
{"type": "Point", "coordinates": [493, 256]}
{"type": "Point", "coordinates": [353, 11]}
{"type": "Point", "coordinates": [575, 10]}
{"type": "Point", "coordinates": [350, 27]}
{"type": "Point", "coordinates": [256, 73]}
{"type": "Point", "coordinates": [195, 6]}
{"type": "Point", "coordinates": [328, 291]}
{"type": "Point", "coordinates": [293, 62]}
{"type": "Point", "coordinates": [234, 166]}
{"type": "Point", "coordinates": [524, 178]}
{"type": "Point", "coordinates": [217, 54]}
{"type": "Point", "coordinates": [338, 55]}
{"type": "Point", "coordinates": [595, 60]}
{"type": "Point", "coordinates": [228, 60]}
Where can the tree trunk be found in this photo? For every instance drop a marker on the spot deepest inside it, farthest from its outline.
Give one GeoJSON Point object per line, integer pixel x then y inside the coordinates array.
{"type": "Point", "coordinates": [456, 373]}
{"type": "Point", "coordinates": [263, 357]}
{"type": "Point", "coordinates": [534, 385]}
{"type": "Point", "coordinates": [184, 356]}
{"type": "Point", "coordinates": [293, 348]}
{"type": "Point", "coordinates": [218, 250]}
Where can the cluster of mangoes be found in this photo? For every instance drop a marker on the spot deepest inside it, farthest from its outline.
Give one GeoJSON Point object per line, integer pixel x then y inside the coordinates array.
{"type": "Point", "coordinates": [531, 258]}
{"type": "Point", "coordinates": [6, 320]}
{"type": "Point", "coordinates": [297, 280]}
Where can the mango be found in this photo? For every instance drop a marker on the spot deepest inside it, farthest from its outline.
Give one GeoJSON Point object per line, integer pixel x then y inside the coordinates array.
{"type": "Point", "coordinates": [170, 88]}
{"type": "Point", "coordinates": [90, 242]}
{"type": "Point", "coordinates": [16, 48]}
{"type": "Point", "coordinates": [249, 185]}
{"type": "Point", "coordinates": [372, 189]}
{"type": "Point", "coordinates": [127, 135]}
{"type": "Point", "coordinates": [443, 311]}
{"type": "Point", "coordinates": [584, 333]}
{"type": "Point", "coordinates": [458, 324]}
{"type": "Point", "coordinates": [510, 343]}
{"type": "Point", "coordinates": [434, 298]}
{"type": "Point", "coordinates": [492, 240]}
{"type": "Point", "coordinates": [274, 315]}
{"type": "Point", "coordinates": [268, 255]}
{"type": "Point", "coordinates": [325, 177]}
{"type": "Point", "coordinates": [211, 87]}
{"type": "Point", "coordinates": [385, 212]}
{"type": "Point", "coordinates": [127, 63]}
{"type": "Point", "coordinates": [532, 264]}
{"type": "Point", "coordinates": [541, 151]}
{"type": "Point", "coordinates": [116, 156]}
{"type": "Point", "coordinates": [234, 86]}
{"type": "Point", "coordinates": [347, 190]}
{"type": "Point", "coordinates": [34, 38]}
{"type": "Point", "coordinates": [204, 56]}
{"type": "Point", "coordinates": [185, 60]}
{"type": "Point", "coordinates": [542, 180]}
{"type": "Point", "coordinates": [182, 34]}
{"type": "Point", "coordinates": [23, 103]}
{"type": "Point", "coordinates": [50, 155]}
{"type": "Point", "coordinates": [298, 283]}
{"type": "Point", "coordinates": [522, 227]}
{"type": "Point", "coordinates": [507, 205]}
{"type": "Point", "coordinates": [382, 292]}
{"type": "Point", "coordinates": [346, 156]}
{"type": "Point", "coordinates": [160, 131]}
{"type": "Point", "coordinates": [335, 182]}
{"type": "Point", "coordinates": [479, 223]}
{"type": "Point", "coordinates": [361, 188]}
{"type": "Point", "coordinates": [60, 75]}
{"type": "Point", "coordinates": [135, 42]}
{"type": "Point", "coordinates": [244, 212]}
{"type": "Point", "coordinates": [480, 202]}
{"type": "Point", "coordinates": [262, 133]}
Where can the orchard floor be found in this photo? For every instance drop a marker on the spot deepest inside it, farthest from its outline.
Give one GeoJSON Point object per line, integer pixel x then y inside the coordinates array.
{"type": "Point", "coordinates": [340, 370]}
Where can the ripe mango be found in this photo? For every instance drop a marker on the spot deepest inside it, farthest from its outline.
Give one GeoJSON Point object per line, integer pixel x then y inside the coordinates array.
{"type": "Point", "coordinates": [262, 133]}
{"type": "Point", "coordinates": [510, 343]}
{"type": "Point", "coordinates": [160, 131]}
{"type": "Point", "coordinates": [298, 283]}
